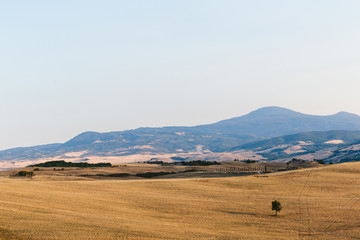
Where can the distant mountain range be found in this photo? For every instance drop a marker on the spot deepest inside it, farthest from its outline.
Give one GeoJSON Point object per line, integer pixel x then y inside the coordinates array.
{"type": "Point", "coordinates": [231, 135]}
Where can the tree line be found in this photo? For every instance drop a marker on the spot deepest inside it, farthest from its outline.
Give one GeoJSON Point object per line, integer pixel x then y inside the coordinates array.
{"type": "Point", "coordinates": [62, 163]}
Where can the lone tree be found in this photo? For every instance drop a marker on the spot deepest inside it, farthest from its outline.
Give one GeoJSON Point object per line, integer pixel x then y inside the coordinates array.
{"type": "Point", "coordinates": [276, 206]}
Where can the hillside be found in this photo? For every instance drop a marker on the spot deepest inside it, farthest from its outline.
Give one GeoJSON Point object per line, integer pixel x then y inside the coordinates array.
{"type": "Point", "coordinates": [331, 146]}
{"type": "Point", "coordinates": [212, 138]}
{"type": "Point", "coordinates": [318, 203]}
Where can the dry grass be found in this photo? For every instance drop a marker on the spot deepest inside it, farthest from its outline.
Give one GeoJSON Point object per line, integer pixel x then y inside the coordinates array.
{"type": "Point", "coordinates": [72, 173]}
{"type": "Point", "coordinates": [318, 203]}
{"type": "Point", "coordinates": [49, 173]}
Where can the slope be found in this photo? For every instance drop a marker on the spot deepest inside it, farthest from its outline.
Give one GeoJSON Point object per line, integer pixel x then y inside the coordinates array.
{"type": "Point", "coordinates": [332, 146]}
{"type": "Point", "coordinates": [319, 203]}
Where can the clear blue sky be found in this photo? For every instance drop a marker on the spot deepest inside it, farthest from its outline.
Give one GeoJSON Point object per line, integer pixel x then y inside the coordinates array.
{"type": "Point", "coordinates": [74, 66]}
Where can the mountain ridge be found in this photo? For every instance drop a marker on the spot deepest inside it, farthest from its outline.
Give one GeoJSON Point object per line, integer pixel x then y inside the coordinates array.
{"type": "Point", "coordinates": [263, 123]}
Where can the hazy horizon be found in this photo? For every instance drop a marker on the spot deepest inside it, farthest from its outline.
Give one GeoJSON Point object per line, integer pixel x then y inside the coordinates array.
{"type": "Point", "coordinates": [75, 66]}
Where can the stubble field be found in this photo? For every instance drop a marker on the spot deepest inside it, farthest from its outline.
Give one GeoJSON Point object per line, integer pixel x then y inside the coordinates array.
{"type": "Point", "coordinates": [318, 203]}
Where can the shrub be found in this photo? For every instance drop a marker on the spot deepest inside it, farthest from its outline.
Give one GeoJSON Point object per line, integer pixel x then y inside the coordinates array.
{"type": "Point", "coordinates": [320, 161]}
{"type": "Point", "coordinates": [25, 174]}
{"type": "Point", "coordinates": [152, 174]}
{"type": "Point", "coordinates": [200, 163]}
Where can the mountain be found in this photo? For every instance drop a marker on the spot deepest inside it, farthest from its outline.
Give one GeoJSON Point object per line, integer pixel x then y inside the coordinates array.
{"type": "Point", "coordinates": [331, 146]}
{"type": "Point", "coordinates": [139, 141]}
{"type": "Point", "coordinates": [218, 137]}
{"type": "Point", "coordinates": [275, 121]}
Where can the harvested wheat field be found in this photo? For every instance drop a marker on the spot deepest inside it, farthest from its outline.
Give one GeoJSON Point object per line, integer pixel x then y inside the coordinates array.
{"type": "Point", "coordinates": [318, 203]}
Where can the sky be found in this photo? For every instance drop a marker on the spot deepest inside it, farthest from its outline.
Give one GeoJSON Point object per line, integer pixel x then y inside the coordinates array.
{"type": "Point", "coordinates": [82, 65]}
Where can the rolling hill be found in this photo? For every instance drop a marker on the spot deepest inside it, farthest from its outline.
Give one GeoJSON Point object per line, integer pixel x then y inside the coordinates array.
{"type": "Point", "coordinates": [331, 146]}
{"type": "Point", "coordinates": [318, 203]}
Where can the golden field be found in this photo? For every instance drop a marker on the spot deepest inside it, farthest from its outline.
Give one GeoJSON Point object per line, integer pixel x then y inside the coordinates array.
{"type": "Point", "coordinates": [318, 203]}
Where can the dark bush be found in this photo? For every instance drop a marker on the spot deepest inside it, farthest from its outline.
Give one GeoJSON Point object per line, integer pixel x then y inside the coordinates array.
{"type": "Point", "coordinates": [119, 175]}
{"type": "Point", "coordinates": [154, 162]}
{"type": "Point", "coordinates": [200, 163]}
{"type": "Point", "coordinates": [25, 174]}
{"type": "Point", "coordinates": [249, 161]}
{"type": "Point", "coordinates": [152, 174]}
{"type": "Point", "coordinates": [320, 161]}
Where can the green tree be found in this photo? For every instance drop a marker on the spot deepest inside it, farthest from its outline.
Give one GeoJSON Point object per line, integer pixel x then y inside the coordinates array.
{"type": "Point", "coordinates": [25, 174]}
{"type": "Point", "coordinates": [276, 206]}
